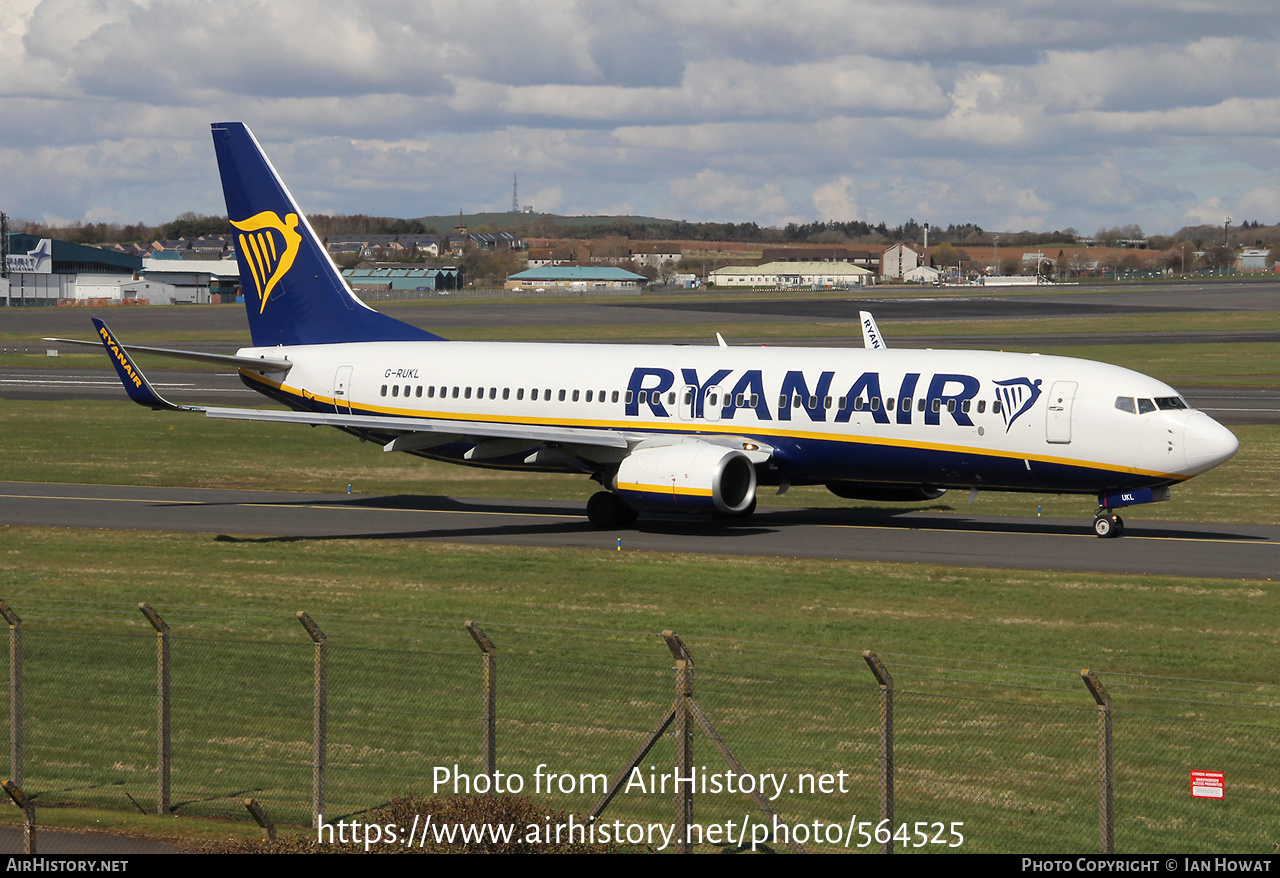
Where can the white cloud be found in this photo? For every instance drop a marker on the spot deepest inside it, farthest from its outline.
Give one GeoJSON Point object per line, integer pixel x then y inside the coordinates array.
{"type": "Point", "coordinates": [726, 109]}
{"type": "Point", "coordinates": [836, 201]}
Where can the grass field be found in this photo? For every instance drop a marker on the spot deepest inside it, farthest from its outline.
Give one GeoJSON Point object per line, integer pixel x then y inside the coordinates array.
{"type": "Point", "coordinates": [994, 726]}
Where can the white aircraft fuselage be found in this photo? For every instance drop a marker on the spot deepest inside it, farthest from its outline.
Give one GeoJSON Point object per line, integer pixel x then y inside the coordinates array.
{"type": "Point", "coordinates": [987, 420]}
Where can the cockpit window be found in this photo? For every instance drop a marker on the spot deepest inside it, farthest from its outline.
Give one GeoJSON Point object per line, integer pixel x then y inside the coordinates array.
{"type": "Point", "coordinates": [1125, 404]}
{"type": "Point", "coordinates": [1145, 405]}
{"type": "Point", "coordinates": [1170, 402]}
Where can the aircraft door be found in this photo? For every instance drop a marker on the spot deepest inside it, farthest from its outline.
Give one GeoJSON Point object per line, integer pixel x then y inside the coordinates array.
{"type": "Point", "coordinates": [712, 403]}
{"type": "Point", "coordinates": [684, 406]}
{"type": "Point", "coordinates": [342, 390]}
{"type": "Point", "coordinates": [1057, 426]}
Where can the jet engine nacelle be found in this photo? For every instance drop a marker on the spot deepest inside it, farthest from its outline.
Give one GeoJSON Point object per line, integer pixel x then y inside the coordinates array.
{"type": "Point", "coordinates": [885, 493]}
{"type": "Point", "coordinates": [688, 477]}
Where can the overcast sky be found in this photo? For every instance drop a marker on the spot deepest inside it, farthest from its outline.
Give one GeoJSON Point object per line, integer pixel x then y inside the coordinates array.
{"type": "Point", "coordinates": [1013, 115]}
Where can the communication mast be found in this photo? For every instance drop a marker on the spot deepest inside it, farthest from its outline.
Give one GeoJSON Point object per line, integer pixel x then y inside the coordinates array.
{"type": "Point", "coordinates": [515, 201]}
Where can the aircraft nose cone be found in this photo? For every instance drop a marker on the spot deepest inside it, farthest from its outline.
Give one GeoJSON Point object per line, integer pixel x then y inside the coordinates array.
{"type": "Point", "coordinates": [1207, 443]}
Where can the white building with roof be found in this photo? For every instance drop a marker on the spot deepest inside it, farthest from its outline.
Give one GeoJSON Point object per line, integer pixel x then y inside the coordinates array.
{"type": "Point", "coordinates": [793, 275]}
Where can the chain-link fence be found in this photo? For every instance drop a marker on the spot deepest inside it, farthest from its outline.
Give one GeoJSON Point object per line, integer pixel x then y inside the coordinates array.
{"type": "Point", "coordinates": [933, 754]}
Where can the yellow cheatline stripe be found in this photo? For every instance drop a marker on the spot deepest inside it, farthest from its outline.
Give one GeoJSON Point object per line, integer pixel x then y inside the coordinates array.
{"type": "Point", "coordinates": [756, 431]}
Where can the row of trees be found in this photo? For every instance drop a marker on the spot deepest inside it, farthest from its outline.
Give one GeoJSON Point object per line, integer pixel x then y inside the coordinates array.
{"type": "Point", "coordinates": [191, 225]}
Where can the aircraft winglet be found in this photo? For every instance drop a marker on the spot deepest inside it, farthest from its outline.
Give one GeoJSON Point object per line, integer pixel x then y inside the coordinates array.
{"type": "Point", "coordinates": [135, 383]}
{"type": "Point", "coordinates": [871, 337]}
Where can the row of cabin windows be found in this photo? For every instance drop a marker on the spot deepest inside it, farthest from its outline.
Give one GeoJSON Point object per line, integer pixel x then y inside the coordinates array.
{"type": "Point", "coordinates": [741, 400]}
{"type": "Point", "coordinates": [492, 393]}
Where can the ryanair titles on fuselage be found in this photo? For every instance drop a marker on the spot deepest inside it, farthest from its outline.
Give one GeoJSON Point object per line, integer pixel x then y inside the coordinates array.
{"type": "Point", "coordinates": [947, 392]}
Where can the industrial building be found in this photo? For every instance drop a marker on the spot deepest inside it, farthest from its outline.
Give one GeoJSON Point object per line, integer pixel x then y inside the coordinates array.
{"type": "Point", "coordinates": [793, 275]}
{"type": "Point", "coordinates": [46, 271]}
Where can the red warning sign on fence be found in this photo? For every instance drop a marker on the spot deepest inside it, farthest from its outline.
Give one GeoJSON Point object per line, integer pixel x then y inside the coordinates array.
{"type": "Point", "coordinates": [1208, 784]}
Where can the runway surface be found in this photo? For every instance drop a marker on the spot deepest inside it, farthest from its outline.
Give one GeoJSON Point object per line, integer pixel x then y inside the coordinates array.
{"type": "Point", "coordinates": [922, 537]}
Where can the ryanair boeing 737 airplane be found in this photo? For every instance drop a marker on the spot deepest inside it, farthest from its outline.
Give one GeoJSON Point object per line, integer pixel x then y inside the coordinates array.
{"type": "Point", "coordinates": [679, 428]}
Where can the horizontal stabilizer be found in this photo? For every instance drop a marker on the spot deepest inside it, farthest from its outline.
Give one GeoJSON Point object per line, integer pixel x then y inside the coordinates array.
{"type": "Point", "coordinates": [260, 364]}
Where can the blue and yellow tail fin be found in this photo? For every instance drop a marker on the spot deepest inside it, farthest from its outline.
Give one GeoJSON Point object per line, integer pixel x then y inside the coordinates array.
{"type": "Point", "coordinates": [292, 290]}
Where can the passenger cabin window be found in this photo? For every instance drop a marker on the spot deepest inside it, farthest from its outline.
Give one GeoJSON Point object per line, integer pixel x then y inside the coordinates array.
{"type": "Point", "coordinates": [996, 407]}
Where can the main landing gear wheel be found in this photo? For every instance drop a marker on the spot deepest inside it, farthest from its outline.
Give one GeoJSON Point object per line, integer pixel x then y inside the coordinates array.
{"type": "Point", "coordinates": [1108, 526]}
{"type": "Point", "coordinates": [605, 510]}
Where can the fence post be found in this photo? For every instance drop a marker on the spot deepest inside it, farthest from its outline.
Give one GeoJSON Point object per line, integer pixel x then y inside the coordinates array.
{"type": "Point", "coordinates": [28, 816]}
{"type": "Point", "coordinates": [1106, 789]}
{"type": "Point", "coordinates": [490, 733]}
{"type": "Point", "coordinates": [163, 753]}
{"type": "Point", "coordinates": [319, 728]}
{"type": "Point", "coordinates": [15, 693]}
{"type": "Point", "coordinates": [684, 736]}
{"type": "Point", "coordinates": [886, 744]}
{"type": "Point", "coordinates": [260, 817]}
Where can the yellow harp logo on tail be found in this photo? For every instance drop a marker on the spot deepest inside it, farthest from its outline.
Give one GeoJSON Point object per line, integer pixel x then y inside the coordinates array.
{"type": "Point", "coordinates": [268, 245]}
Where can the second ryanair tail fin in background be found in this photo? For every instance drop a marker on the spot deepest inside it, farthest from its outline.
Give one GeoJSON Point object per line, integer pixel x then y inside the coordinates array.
{"type": "Point", "coordinates": [293, 292]}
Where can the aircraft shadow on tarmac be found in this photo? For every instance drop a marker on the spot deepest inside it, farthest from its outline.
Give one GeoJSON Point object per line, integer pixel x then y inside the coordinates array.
{"type": "Point", "coordinates": [572, 519]}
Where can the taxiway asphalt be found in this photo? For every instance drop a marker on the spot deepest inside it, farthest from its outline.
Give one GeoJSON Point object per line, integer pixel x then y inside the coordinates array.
{"type": "Point", "coordinates": [1250, 552]}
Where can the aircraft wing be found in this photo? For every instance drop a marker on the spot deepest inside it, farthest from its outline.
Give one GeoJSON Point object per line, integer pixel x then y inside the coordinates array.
{"type": "Point", "coordinates": [446, 430]}
{"type": "Point", "coordinates": [493, 439]}
{"type": "Point", "coordinates": [871, 337]}
{"type": "Point", "coordinates": [420, 433]}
